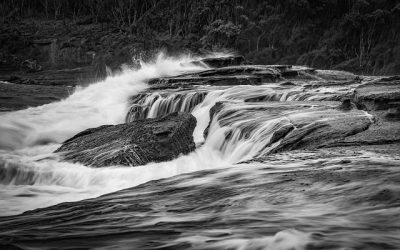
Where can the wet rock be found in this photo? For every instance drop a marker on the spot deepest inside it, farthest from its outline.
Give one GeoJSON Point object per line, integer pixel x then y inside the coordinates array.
{"type": "Point", "coordinates": [381, 94]}
{"type": "Point", "coordinates": [267, 70]}
{"type": "Point", "coordinates": [382, 131]}
{"type": "Point", "coordinates": [132, 144]}
{"type": "Point", "coordinates": [226, 76]}
{"type": "Point", "coordinates": [281, 133]}
{"type": "Point", "coordinates": [213, 111]}
{"type": "Point", "coordinates": [245, 75]}
{"type": "Point", "coordinates": [322, 128]}
{"type": "Point", "coordinates": [290, 84]}
{"type": "Point", "coordinates": [219, 62]}
{"type": "Point", "coordinates": [178, 82]}
{"type": "Point", "coordinates": [264, 98]}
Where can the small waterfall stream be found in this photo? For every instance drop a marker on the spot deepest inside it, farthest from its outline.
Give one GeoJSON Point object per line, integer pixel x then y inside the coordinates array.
{"type": "Point", "coordinates": [238, 130]}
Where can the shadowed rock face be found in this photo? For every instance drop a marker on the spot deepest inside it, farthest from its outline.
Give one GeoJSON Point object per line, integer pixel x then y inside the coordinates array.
{"type": "Point", "coordinates": [132, 144]}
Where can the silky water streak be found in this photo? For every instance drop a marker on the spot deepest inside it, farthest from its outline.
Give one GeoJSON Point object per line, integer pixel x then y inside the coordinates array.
{"type": "Point", "coordinates": [31, 176]}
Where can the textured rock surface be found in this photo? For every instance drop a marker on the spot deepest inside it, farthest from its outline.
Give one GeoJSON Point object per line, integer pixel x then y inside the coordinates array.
{"type": "Point", "coordinates": [222, 61]}
{"type": "Point", "coordinates": [381, 94]}
{"type": "Point", "coordinates": [252, 75]}
{"type": "Point", "coordinates": [132, 144]}
{"type": "Point", "coordinates": [323, 128]}
{"type": "Point", "coordinates": [225, 76]}
{"type": "Point", "coordinates": [383, 131]}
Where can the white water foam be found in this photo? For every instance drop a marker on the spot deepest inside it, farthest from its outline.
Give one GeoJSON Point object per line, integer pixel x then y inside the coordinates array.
{"type": "Point", "coordinates": [29, 183]}
{"type": "Point", "coordinates": [105, 102]}
{"type": "Point", "coordinates": [31, 177]}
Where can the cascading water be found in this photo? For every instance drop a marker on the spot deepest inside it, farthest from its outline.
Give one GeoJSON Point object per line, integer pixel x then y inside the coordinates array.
{"type": "Point", "coordinates": [212, 198]}
{"type": "Point", "coordinates": [28, 138]}
{"type": "Point", "coordinates": [101, 103]}
{"type": "Point", "coordinates": [30, 170]}
{"type": "Point", "coordinates": [155, 105]}
{"type": "Point", "coordinates": [31, 176]}
{"type": "Point", "coordinates": [237, 131]}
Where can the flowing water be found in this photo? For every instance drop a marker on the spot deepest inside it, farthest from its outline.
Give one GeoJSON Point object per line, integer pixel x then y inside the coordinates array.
{"type": "Point", "coordinates": [31, 176]}
{"type": "Point", "coordinates": [217, 197]}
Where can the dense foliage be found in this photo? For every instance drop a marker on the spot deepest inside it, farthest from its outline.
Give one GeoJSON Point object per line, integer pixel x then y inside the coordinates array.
{"type": "Point", "coordinates": [358, 35]}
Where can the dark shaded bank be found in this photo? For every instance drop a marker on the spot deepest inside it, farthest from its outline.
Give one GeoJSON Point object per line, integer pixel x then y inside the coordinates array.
{"type": "Point", "coordinates": [21, 96]}
{"type": "Point", "coordinates": [69, 42]}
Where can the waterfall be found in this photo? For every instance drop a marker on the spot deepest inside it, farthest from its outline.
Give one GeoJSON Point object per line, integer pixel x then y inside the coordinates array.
{"type": "Point", "coordinates": [156, 105]}
{"type": "Point", "coordinates": [238, 131]}
{"type": "Point", "coordinates": [31, 176]}
{"type": "Point", "coordinates": [229, 130]}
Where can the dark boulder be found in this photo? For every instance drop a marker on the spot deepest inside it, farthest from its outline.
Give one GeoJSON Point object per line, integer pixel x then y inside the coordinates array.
{"type": "Point", "coordinates": [132, 144]}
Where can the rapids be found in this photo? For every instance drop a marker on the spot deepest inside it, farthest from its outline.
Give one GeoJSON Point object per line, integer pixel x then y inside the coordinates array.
{"type": "Point", "coordinates": [31, 176]}
{"type": "Point", "coordinates": [221, 196]}
{"type": "Point", "coordinates": [331, 199]}
{"type": "Point", "coordinates": [101, 103]}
